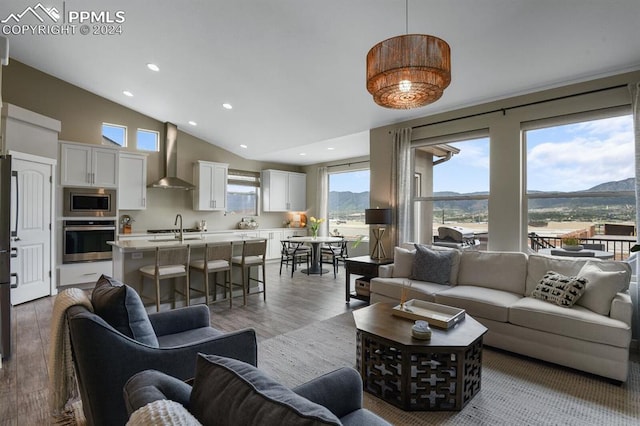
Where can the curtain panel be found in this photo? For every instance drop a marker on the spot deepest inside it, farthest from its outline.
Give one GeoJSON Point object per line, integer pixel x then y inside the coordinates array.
{"type": "Point", "coordinates": [323, 200]}
{"type": "Point", "coordinates": [401, 185]}
{"type": "Point", "coordinates": [634, 88]}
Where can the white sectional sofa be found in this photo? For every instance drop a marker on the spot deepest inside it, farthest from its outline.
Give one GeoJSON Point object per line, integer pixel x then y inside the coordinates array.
{"type": "Point", "coordinates": [495, 288]}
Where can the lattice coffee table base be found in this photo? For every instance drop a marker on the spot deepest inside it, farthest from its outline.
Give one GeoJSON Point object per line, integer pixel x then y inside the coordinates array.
{"type": "Point", "coordinates": [419, 377]}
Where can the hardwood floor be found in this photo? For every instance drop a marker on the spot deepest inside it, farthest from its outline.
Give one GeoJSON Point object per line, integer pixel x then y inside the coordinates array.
{"type": "Point", "coordinates": [291, 304]}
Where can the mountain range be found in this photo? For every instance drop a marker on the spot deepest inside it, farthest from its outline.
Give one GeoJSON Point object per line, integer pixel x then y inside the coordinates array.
{"type": "Point", "coordinates": [347, 202]}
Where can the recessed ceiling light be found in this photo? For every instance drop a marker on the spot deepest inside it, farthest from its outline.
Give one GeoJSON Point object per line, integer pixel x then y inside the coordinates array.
{"type": "Point", "coordinates": [226, 106]}
{"type": "Point", "coordinates": [193, 123]}
{"type": "Point", "coordinates": [303, 153]}
{"type": "Point", "coordinates": [331, 148]}
{"type": "Point", "coordinates": [243, 146]}
{"type": "Point", "coordinates": [127, 93]}
{"type": "Point", "coordinates": [153, 67]}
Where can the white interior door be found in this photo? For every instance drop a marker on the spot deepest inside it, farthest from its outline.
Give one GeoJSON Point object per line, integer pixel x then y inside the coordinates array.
{"type": "Point", "coordinates": [31, 230]}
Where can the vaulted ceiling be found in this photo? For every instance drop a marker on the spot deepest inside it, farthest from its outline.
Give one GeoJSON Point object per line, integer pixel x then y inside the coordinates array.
{"type": "Point", "coordinates": [294, 70]}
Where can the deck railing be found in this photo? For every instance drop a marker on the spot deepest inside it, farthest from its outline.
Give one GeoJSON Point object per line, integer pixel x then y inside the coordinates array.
{"type": "Point", "coordinates": [619, 247]}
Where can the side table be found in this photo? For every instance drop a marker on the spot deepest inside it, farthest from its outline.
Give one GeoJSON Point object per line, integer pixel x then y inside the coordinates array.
{"type": "Point", "coordinates": [364, 266]}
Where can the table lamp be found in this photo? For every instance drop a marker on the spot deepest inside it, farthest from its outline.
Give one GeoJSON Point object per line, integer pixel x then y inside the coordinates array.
{"type": "Point", "coordinates": [378, 217]}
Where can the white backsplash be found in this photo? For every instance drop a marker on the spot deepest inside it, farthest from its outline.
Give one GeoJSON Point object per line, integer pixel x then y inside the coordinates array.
{"type": "Point", "coordinates": [164, 204]}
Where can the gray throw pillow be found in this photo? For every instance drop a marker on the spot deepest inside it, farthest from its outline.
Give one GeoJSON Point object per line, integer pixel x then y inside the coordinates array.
{"type": "Point", "coordinates": [121, 307]}
{"type": "Point", "coordinates": [432, 266]}
{"type": "Point", "coordinates": [559, 289]}
{"type": "Point", "coordinates": [229, 392]}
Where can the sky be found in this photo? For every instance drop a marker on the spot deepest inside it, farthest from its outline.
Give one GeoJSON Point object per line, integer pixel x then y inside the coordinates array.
{"type": "Point", "coordinates": [571, 157]}
{"type": "Point", "coordinates": [350, 181]}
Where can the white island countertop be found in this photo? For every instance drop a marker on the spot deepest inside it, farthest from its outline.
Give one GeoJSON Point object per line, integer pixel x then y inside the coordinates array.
{"type": "Point", "coordinates": [193, 241]}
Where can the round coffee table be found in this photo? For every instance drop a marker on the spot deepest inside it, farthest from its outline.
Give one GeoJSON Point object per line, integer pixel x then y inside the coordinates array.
{"type": "Point", "coordinates": [418, 375]}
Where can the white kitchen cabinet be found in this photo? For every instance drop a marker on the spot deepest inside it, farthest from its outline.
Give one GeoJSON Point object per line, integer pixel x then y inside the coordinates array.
{"type": "Point", "coordinates": [283, 191]}
{"type": "Point", "coordinates": [132, 186]}
{"type": "Point", "coordinates": [86, 165]}
{"type": "Point", "coordinates": [211, 186]}
{"type": "Point", "coordinates": [83, 273]}
{"type": "Point", "coordinates": [273, 237]}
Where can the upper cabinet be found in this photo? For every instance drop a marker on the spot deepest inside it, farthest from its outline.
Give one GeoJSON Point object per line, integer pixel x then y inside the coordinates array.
{"type": "Point", "coordinates": [283, 191]}
{"type": "Point", "coordinates": [86, 165]}
{"type": "Point", "coordinates": [132, 188]}
{"type": "Point", "coordinates": [211, 186]}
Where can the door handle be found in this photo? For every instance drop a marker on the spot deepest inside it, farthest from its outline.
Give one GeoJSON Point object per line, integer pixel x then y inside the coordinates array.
{"type": "Point", "coordinates": [15, 285]}
{"type": "Point", "coordinates": [14, 251]}
{"type": "Point", "coordinates": [14, 232]}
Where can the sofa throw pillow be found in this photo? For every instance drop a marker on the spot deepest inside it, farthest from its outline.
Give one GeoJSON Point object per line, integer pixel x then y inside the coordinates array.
{"type": "Point", "coordinates": [560, 289]}
{"type": "Point", "coordinates": [402, 262]}
{"type": "Point", "coordinates": [601, 288]}
{"type": "Point", "coordinates": [230, 392]}
{"type": "Point", "coordinates": [432, 266]}
{"type": "Point", "coordinates": [121, 307]}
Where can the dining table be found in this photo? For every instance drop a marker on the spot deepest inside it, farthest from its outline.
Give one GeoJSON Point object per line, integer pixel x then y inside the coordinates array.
{"type": "Point", "coordinates": [316, 252]}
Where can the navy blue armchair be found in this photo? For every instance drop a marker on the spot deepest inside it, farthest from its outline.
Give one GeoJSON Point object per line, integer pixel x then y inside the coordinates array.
{"type": "Point", "coordinates": [105, 359]}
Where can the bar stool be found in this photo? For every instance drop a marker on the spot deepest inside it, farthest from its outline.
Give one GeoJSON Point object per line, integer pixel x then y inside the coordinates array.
{"type": "Point", "coordinates": [253, 254]}
{"type": "Point", "coordinates": [170, 263]}
{"type": "Point", "coordinates": [217, 258]}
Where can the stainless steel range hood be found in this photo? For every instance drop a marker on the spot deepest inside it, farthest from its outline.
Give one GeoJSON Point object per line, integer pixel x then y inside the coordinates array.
{"type": "Point", "coordinates": [170, 179]}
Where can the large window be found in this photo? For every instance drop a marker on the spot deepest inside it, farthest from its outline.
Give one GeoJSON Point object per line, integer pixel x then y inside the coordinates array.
{"type": "Point", "coordinates": [581, 179]}
{"type": "Point", "coordinates": [348, 198]}
{"type": "Point", "coordinates": [243, 192]}
{"type": "Point", "coordinates": [451, 186]}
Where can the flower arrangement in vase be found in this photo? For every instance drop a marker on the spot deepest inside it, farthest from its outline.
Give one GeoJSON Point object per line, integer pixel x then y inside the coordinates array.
{"type": "Point", "coordinates": [314, 225]}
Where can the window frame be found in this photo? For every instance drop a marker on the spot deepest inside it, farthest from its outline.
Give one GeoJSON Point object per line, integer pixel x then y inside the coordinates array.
{"type": "Point", "coordinates": [445, 139]}
{"type": "Point", "coordinates": [558, 121]}
{"type": "Point", "coordinates": [157, 134]}
{"type": "Point", "coordinates": [244, 178]}
{"type": "Point", "coordinates": [118, 126]}
{"type": "Point", "coordinates": [342, 169]}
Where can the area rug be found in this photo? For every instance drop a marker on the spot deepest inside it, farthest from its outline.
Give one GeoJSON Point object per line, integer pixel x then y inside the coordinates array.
{"type": "Point", "coordinates": [515, 390]}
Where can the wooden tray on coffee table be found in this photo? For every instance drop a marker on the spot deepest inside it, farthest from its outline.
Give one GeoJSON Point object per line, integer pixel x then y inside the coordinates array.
{"type": "Point", "coordinates": [441, 316]}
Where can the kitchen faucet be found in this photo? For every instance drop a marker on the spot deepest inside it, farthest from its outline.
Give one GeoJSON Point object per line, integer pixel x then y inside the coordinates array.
{"type": "Point", "coordinates": [180, 235]}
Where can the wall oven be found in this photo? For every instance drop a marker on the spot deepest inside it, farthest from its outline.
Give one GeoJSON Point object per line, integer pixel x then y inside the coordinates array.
{"type": "Point", "coordinates": [86, 240]}
{"type": "Point", "coordinates": [99, 202]}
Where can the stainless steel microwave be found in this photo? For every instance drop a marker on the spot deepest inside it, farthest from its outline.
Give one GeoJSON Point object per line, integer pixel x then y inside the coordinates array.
{"type": "Point", "coordinates": [98, 202]}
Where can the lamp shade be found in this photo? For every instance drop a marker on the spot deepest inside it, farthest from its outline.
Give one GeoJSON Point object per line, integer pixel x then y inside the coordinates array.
{"type": "Point", "coordinates": [377, 216]}
{"type": "Point", "coordinates": [408, 71]}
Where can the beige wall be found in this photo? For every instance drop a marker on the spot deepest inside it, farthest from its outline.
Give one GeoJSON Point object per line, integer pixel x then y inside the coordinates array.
{"type": "Point", "coordinates": [507, 213]}
{"type": "Point", "coordinates": [82, 114]}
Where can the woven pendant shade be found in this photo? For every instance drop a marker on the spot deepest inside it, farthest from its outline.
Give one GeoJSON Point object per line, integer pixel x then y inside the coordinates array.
{"type": "Point", "coordinates": [408, 71]}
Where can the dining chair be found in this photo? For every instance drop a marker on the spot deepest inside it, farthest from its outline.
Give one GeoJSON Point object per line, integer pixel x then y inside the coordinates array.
{"type": "Point", "coordinates": [294, 252]}
{"type": "Point", "coordinates": [217, 258]}
{"type": "Point", "coordinates": [253, 254]}
{"type": "Point", "coordinates": [334, 252]}
{"type": "Point", "coordinates": [170, 263]}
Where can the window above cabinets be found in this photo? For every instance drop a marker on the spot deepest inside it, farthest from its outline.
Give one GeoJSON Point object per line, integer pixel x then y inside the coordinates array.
{"type": "Point", "coordinates": [114, 135]}
{"type": "Point", "coordinates": [147, 140]}
{"type": "Point", "coordinates": [243, 192]}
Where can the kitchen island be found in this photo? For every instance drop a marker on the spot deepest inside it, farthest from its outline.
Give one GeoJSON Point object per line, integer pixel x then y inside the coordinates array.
{"type": "Point", "coordinates": [130, 255]}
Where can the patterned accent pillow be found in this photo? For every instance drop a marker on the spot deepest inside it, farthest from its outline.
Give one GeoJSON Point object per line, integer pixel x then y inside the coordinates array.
{"type": "Point", "coordinates": [432, 266]}
{"type": "Point", "coordinates": [559, 289]}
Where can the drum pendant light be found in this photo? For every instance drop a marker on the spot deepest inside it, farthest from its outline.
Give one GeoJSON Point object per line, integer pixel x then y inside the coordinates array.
{"type": "Point", "coordinates": [408, 71]}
